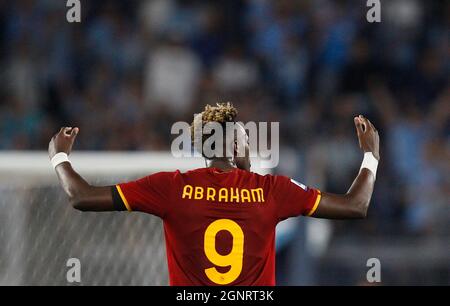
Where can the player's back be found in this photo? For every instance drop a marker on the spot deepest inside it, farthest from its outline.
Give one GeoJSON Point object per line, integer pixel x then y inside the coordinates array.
{"type": "Point", "coordinates": [224, 228]}
{"type": "Point", "coordinates": [220, 225]}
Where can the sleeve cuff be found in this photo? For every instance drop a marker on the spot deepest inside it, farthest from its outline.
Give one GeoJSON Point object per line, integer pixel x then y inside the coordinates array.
{"type": "Point", "coordinates": [119, 200]}
{"type": "Point", "coordinates": [316, 204]}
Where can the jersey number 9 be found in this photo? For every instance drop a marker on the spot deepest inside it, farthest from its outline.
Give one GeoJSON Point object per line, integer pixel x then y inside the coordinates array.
{"type": "Point", "coordinates": [233, 259]}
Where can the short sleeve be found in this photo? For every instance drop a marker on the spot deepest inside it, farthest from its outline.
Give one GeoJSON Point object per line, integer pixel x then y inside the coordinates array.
{"type": "Point", "coordinates": [293, 198]}
{"type": "Point", "coordinates": [150, 194]}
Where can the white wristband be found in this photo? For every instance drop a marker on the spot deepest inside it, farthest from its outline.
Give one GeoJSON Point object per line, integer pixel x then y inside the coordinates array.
{"type": "Point", "coordinates": [370, 162]}
{"type": "Point", "coordinates": [59, 158]}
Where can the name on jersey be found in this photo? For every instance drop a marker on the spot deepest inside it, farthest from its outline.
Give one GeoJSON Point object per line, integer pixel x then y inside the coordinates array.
{"type": "Point", "coordinates": [226, 195]}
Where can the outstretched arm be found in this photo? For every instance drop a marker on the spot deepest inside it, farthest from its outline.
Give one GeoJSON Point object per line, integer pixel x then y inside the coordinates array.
{"type": "Point", "coordinates": [354, 204]}
{"type": "Point", "coordinates": [81, 194]}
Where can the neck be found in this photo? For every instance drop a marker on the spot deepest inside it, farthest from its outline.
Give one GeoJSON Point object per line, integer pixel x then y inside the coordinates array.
{"type": "Point", "coordinates": [221, 163]}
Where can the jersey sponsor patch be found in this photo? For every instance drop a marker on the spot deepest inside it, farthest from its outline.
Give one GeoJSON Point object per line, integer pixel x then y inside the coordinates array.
{"type": "Point", "coordinates": [305, 188]}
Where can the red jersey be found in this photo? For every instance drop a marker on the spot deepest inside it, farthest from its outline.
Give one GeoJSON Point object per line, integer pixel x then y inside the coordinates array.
{"type": "Point", "coordinates": [219, 226]}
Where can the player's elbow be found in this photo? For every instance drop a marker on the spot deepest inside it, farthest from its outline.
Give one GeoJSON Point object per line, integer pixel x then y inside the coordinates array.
{"type": "Point", "coordinates": [360, 208]}
{"type": "Point", "coordinates": [362, 214]}
{"type": "Point", "coordinates": [78, 203]}
{"type": "Point", "coordinates": [356, 207]}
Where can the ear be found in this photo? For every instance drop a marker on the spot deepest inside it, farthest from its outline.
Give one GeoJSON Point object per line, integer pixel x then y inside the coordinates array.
{"type": "Point", "coordinates": [236, 148]}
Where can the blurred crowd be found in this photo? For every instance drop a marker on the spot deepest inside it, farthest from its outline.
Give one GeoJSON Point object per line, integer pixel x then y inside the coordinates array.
{"type": "Point", "coordinates": [132, 68]}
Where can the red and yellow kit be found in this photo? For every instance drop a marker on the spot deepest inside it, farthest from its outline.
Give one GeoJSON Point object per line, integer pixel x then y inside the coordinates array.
{"type": "Point", "coordinates": [219, 226]}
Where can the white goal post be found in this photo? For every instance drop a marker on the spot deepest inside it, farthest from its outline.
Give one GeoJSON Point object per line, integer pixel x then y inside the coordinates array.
{"type": "Point", "coordinates": [17, 167]}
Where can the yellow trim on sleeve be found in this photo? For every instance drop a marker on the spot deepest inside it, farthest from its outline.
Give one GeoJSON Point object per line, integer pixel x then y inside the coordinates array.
{"type": "Point", "coordinates": [123, 198]}
{"type": "Point", "coordinates": [319, 197]}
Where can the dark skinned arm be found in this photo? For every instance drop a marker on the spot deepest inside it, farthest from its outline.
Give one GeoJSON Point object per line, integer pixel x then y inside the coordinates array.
{"type": "Point", "coordinates": [82, 195]}
{"type": "Point", "coordinates": [355, 203]}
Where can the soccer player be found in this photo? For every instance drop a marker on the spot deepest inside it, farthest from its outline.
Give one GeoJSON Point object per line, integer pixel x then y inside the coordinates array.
{"type": "Point", "coordinates": [219, 221]}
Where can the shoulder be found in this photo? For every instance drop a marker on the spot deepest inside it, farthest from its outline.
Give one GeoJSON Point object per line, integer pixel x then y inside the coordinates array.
{"type": "Point", "coordinates": [263, 179]}
{"type": "Point", "coordinates": [163, 176]}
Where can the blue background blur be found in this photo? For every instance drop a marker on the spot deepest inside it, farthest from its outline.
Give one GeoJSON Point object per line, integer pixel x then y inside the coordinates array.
{"type": "Point", "coordinates": [132, 68]}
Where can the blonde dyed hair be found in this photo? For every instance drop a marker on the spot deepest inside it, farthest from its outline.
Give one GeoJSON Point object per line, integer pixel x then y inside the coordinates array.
{"type": "Point", "coordinates": [220, 113]}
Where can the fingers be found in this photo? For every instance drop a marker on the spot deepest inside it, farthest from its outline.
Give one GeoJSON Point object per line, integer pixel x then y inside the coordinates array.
{"type": "Point", "coordinates": [371, 125]}
{"type": "Point", "coordinates": [69, 131]}
{"type": "Point", "coordinates": [74, 132]}
{"type": "Point", "coordinates": [364, 122]}
{"type": "Point", "coordinates": [367, 124]}
{"type": "Point", "coordinates": [359, 126]}
{"type": "Point", "coordinates": [359, 130]}
{"type": "Point", "coordinates": [363, 125]}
